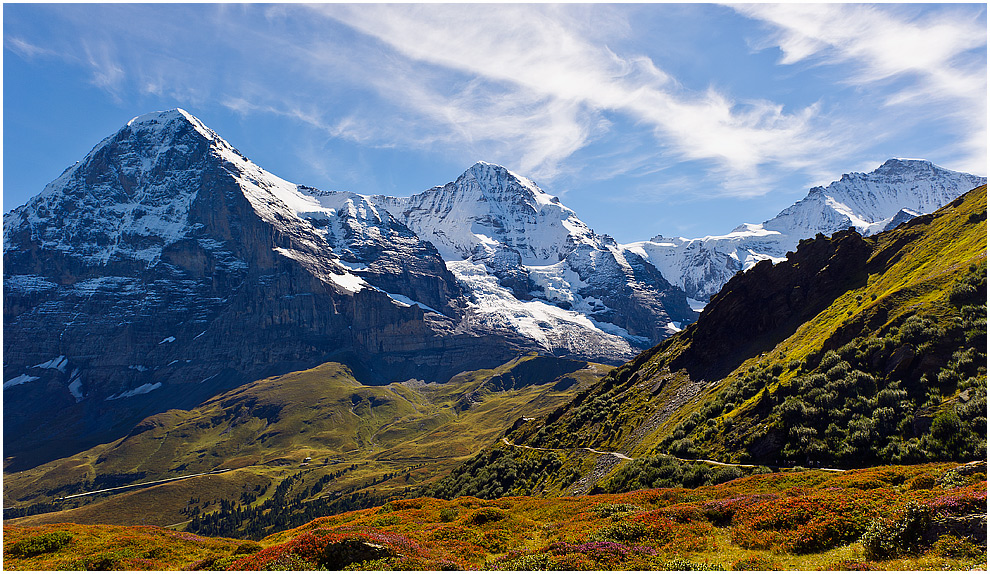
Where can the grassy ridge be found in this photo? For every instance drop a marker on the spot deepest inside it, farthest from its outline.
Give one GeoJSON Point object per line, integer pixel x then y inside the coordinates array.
{"type": "Point", "coordinates": [383, 437]}
{"type": "Point", "coordinates": [889, 366]}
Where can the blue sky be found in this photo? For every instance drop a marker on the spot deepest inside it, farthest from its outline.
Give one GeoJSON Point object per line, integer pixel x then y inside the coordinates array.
{"type": "Point", "coordinates": [646, 119]}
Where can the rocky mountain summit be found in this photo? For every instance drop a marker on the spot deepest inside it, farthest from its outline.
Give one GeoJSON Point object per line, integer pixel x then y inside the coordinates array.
{"type": "Point", "coordinates": [530, 263]}
{"type": "Point", "coordinates": [895, 192]}
{"type": "Point", "coordinates": [166, 267]}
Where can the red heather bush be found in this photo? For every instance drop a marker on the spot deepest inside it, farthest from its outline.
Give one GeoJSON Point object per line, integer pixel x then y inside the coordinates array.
{"type": "Point", "coordinates": [809, 523]}
{"type": "Point", "coordinates": [683, 513]}
{"type": "Point", "coordinates": [601, 555]}
{"type": "Point", "coordinates": [331, 550]}
{"type": "Point", "coordinates": [721, 512]}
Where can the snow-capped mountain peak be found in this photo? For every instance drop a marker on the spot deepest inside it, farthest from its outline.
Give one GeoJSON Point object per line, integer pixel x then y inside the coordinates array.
{"type": "Point", "coordinates": [506, 240]}
{"type": "Point", "coordinates": [870, 202]}
{"type": "Point", "coordinates": [487, 211]}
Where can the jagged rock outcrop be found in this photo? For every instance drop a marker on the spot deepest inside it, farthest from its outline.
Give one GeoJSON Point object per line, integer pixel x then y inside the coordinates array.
{"type": "Point", "coordinates": [757, 309]}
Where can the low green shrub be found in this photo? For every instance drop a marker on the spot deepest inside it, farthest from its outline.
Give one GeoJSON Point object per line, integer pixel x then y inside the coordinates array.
{"type": "Point", "coordinates": [487, 514]}
{"type": "Point", "coordinates": [623, 531]}
{"type": "Point", "coordinates": [682, 564]}
{"type": "Point", "coordinates": [949, 546]}
{"type": "Point", "coordinates": [40, 544]}
{"type": "Point", "coordinates": [756, 562]}
{"type": "Point", "coordinates": [888, 538]}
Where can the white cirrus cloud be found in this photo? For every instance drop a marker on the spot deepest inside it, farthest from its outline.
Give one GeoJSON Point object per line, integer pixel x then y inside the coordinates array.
{"type": "Point", "coordinates": [548, 84]}
{"type": "Point", "coordinates": [935, 61]}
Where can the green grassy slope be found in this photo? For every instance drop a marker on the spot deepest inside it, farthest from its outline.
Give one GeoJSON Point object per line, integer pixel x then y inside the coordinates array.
{"type": "Point", "coordinates": [855, 351]}
{"type": "Point", "coordinates": [359, 435]}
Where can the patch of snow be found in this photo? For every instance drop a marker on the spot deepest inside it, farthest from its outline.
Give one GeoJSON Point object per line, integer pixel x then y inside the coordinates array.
{"type": "Point", "coordinates": [59, 363]}
{"type": "Point", "coordinates": [142, 390]}
{"type": "Point", "coordinates": [348, 282]}
{"type": "Point", "coordinates": [674, 326]}
{"type": "Point", "coordinates": [558, 282]}
{"type": "Point", "coordinates": [138, 368]}
{"type": "Point", "coordinates": [354, 266]}
{"type": "Point", "coordinates": [167, 340]}
{"type": "Point", "coordinates": [18, 380]}
{"type": "Point", "coordinates": [696, 306]}
{"type": "Point", "coordinates": [407, 302]}
{"type": "Point", "coordinates": [613, 329]}
{"type": "Point", "coordinates": [548, 325]}
{"type": "Point", "coordinates": [75, 386]}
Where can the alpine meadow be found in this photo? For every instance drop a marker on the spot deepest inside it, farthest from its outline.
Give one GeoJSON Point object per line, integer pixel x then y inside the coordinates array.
{"type": "Point", "coordinates": [208, 366]}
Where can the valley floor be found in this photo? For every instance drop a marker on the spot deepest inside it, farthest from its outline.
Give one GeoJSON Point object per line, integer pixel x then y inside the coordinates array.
{"type": "Point", "coordinates": [920, 517]}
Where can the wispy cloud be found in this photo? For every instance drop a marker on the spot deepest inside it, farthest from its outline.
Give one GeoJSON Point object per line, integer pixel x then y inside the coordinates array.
{"type": "Point", "coordinates": [560, 93]}
{"type": "Point", "coordinates": [548, 84]}
{"type": "Point", "coordinates": [920, 59]}
{"type": "Point", "coordinates": [107, 71]}
{"type": "Point", "coordinates": [26, 49]}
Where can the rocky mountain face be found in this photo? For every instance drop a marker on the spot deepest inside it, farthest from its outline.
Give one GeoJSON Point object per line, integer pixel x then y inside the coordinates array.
{"type": "Point", "coordinates": [166, 267]}
{"type": "Point", "coordinates": [529, 263]}
{"type": "Point", "coordinates": [895, 192]}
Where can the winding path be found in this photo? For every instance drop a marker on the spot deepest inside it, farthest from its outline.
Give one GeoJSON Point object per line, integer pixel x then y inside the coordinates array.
{"type": "Point", "coordinates": [715, 462]}
{"type": "Point", "coordinates": [152, 483]}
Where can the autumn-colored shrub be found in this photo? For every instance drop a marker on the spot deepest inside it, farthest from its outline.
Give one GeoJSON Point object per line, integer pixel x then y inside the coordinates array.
{"type": "Point", "coordinates": [971, 498]}
{"type": "Point", "coordinates": [623, 531]}
{"type": "Point", "coordinates": [521, 562]}
{"type": "Point", "coordinates": [721, 512]}
{"type": "Point", "coordinates": [599, 555]}
{"type": "Point", "coordinates": [922, 482]}
{"type": "Point", "coordinates": [329, 550]}
{"type": "Point", "coordinates": [681, 564]}
{"type": "Point", "coordinates": [803, 524]}
{"type": "Point", "coordinates": [683, 513]}
{"type": "Point", "coordinates": [953, 547]}
{"type": "Point", "coordinates": [614, 510]}
{"type": "Point", "coordinates": [248, 548]}
{"type": "Point", "coordinates": [850, 565]}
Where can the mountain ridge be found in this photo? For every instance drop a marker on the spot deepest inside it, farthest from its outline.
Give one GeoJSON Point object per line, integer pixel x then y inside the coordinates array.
{"type": "Point", "coordinates": [134, 267]}
{"type": "Point", "coordinates": [211, 245]}
{"type": "Point", "coordinates": [166, 267]}
{"type": "Point", "coordinates": [884, 364]}
{"type": "Point", "coordinates": [869, 202]}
